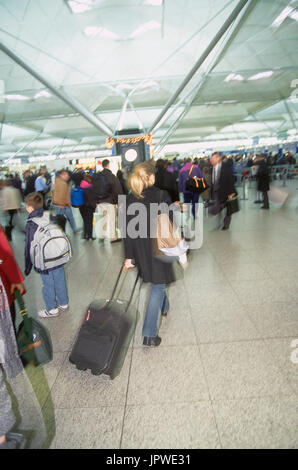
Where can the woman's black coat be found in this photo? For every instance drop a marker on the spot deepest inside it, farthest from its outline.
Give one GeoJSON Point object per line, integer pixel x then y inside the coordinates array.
{"type": "Point", "coordinates": [141, 250]}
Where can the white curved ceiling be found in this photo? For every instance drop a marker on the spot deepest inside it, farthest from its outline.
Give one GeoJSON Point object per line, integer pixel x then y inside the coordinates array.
{"type": "Point", "coordinates": [101, 51]}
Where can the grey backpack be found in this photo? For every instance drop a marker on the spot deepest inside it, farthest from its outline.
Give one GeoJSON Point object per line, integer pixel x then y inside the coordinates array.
{"type": "Point", "coordinates": [50, 247]}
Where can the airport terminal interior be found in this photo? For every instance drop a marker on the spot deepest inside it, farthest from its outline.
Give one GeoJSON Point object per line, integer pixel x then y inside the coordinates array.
{"type": "Point", "coordinates": [131, 80]}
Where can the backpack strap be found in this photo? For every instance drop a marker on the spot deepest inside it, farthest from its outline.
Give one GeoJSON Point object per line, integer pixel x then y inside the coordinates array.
{"type": "Point", "coordinates": [42, 221]}
{"type": "Point", "coordinates": [190, 171]}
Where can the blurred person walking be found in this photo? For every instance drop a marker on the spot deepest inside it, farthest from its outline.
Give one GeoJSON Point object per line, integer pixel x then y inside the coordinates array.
{"type": "Point", "coordinates": [61, 198]}
{"type": "Point", "coordinates": [222, 187]}
{"type": "Point", "coordinates": [139, 251]}
{"type": "Point", "coordinates": [11, 365]}
{"type": "Point", "coordinates": [189, 170]}
{"type": "Point", "coordinates": [10, 203]}
{"type": "Point", "coordinates": [10, 273]}
{"type": "Point", "coordinates": [88, 208]}
{"type": "Point", "coordinates": [107, 188]}
{"type": "Point", "coordinates": [263, 180]}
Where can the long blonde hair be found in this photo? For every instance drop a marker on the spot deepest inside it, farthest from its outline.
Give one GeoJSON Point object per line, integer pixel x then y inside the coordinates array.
{"type": "Point", "coordinates": [139, 179]}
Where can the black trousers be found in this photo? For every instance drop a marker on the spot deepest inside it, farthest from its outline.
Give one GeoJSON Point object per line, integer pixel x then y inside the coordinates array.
{"type": "Point", "coordinates": [11, 212]}
{"type": "Point", "coordinates": [265, 199]}
{"type": "Point", "coordinates": [87, 216]}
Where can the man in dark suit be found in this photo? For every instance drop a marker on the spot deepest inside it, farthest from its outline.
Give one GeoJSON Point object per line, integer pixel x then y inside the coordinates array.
{"type": "Point", "coordinates": [222, 186]}
{"type": "Point", "coordinates": [263, 179]}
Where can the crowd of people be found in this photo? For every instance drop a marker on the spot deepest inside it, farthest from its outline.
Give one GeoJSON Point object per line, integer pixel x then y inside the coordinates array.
{"type": "Point", "coordinates": [49, 198]}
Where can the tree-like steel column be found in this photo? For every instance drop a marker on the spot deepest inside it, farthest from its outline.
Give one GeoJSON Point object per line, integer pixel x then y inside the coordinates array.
{"type": "Point", "coordinates": [72, 102]}
{"type": "Point", "coordinates": [201, 59]}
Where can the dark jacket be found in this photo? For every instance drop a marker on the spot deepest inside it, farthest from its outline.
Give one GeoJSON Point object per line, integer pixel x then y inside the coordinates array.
{"type": "Point", "coordinates": [159, 178]}
{"type": "Point", "coordinates": [170, 184]}
{"type": "Point", "coordinates": [225, 185]}
{"type": "Point", "coordinates": [30, 185]}
{"type": "Point", "coordinates": [90, 197]}
{"type": "Point", "coordinates": [141, 250]}
{"type": "Point", "coordinates": [115, 187]}
{"type": "Point", "coordinates": [263, 177]}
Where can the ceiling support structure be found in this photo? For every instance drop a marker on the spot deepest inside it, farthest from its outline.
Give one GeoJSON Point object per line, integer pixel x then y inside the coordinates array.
{"type": "Point", "coordinates": [202, 58]}
{"type": "Point", "coordinates": [24, 146]}
{"type": "Point", "coordinates": [56, 90]}
{"type": "Point", "coordinates": [291, 115]}
{"type": "Point", "coordinates": [174, 126]}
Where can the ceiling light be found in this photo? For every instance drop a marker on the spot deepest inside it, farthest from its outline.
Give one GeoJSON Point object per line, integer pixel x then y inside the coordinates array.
{"type": "Point", "coordinates": [149, 84]}
{"type": "Point", "coordinates": [42, 94]}
{"type": "Point", "coordinates": [102, 32]}
{"type": "Point", "coordinates": [280, 19]}
{"type": "Point", "coordinates": [124, 86]}
{"type": "Point", "coordinates": [261, 75]}
{"type": "Point", "coordinates": [234, 76]}
{"type": "Point", "coordinates": [149, 26]}
{"type": "Point", "coordinates": [156, 3]}
{"type": "Point", "coordinates": [79, 6]}
{"type": "Point", "coordinates": [16, 97]}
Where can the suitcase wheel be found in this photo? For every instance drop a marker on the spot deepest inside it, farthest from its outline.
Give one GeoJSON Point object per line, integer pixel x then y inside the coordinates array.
{"type": "Point", "coordinates": [81, 367]}
{"type": "Point", "coordinates": [96, 372]}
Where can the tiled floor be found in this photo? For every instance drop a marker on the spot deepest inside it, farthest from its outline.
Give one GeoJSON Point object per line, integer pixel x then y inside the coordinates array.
{"type": "Point", "coordinates": [223, 375]}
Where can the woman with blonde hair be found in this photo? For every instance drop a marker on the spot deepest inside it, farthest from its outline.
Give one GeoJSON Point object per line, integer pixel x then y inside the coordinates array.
{"type": "Point", "coordinates": [139, 247]}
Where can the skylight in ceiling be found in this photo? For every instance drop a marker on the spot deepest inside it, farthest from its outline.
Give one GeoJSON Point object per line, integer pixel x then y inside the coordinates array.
{"type": "Point", "coordinates": [144, 28]}
{"type": "Point", "coordinates": [234, 76]}
{"type": "Point", "coordinates": [287, 12]}
{"type": "Point", "coordinates": [42, 94]}
{"type": "Point", "coordinates": [80, 6]}
{"type": "Point", "coordinates": [156, 3]}
{"type": "Point", "coordinates": [260, 75]}
{"type": "Point", "coordinates": [16, 97]}
{"type": "Point", "coordinates": [102, 32]}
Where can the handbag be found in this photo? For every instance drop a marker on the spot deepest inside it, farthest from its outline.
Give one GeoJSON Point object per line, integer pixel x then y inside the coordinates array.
{"type": "Point", "coordinates": [195, 184]}
{"type": "Point", "coordinates": [232, 205]}
{"type": "Point", "coordinates": [170, 246]}
{"type": "Point", "coordinates": [33, 340]}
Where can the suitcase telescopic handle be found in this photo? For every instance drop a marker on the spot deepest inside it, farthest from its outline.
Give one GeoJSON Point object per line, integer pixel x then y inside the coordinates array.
{"type": "Point", "coordinates": [113, 296]}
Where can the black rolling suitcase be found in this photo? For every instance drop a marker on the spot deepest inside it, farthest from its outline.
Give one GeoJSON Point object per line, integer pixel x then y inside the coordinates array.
{"type": "Point", "coordinates": [106, 333]}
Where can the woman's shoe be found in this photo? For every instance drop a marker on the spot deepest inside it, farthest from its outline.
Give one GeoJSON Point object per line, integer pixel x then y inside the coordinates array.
{"type": "Point", "coordinates": [152, 341]}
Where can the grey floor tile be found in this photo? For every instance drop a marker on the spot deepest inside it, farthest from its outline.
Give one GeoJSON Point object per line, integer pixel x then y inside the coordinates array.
{"type": "Point", "coordinates": [81, 389]}
{"type": "Point", "coordinates": [244, 272]}
{"type": "Point", "coordinates": [258, 423]}
{"type": "Point", "coordinates": [166, 375]}
{"type": "Point", "coordinates": [211, 293]}
{"type": "Point", "coordinates": [222, 323]}
{"type": "Point", "coordinates": [261, 291]}
{"type": "Point", "coordinates": [274, 319]}
{"type": "Point", "coordinates": [170, 426]}
{"type": "Point", "coordinates": [242, 370]}
{"type": "Point", "coordinates": [285, 353]}
{"type": "Point", "coordinates": [90, 428]}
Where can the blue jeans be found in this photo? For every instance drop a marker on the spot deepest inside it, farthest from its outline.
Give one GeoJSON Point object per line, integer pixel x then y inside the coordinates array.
{"type": "Point", "coordinates": [54, 289]}
{"type": "Point", "coordinates": [68, 214]}
{"type": "Point", "coordinates": [158, 303]}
